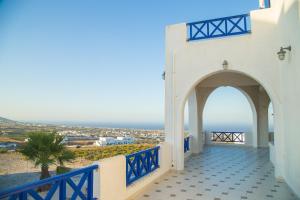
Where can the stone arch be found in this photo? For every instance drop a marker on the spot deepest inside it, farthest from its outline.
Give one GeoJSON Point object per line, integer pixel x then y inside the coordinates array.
{"type": "Point", "coordinates": [245, 93]}
{"type": "Point", "coordinates": [265, 85]}
{"type": "Point", "coordinates": [183, 96]}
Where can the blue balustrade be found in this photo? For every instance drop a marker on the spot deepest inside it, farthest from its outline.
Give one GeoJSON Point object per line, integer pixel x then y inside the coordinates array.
{"type": "Point", "coordinates": [228, 136]}
{"type": "Point", "coordinates": [141, 163]}
{"type": "Point", "coordinates": [57, 184]}
{"type": "Point", "coordinates": [220, 27]}
{"type": "Point", "coordinates": [186, 144]}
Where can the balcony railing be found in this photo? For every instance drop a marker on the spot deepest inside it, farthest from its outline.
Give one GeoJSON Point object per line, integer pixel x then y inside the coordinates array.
{"type": "Point", "coordinates": [186, 144]}
{"type": "Point", "coordinates": [220, 27]}
{"type": "Point", "coordinates": [228, 137]}
{"type": "Point", "coordinates": [58, 187]}
{"type": "Point", "coordinates": [141, 163]}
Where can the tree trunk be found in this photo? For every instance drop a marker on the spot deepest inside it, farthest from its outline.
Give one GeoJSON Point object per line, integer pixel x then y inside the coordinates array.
{"type": "Point", "coordinates": [44, 174]}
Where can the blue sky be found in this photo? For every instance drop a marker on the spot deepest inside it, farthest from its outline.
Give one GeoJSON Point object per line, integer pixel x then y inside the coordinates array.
{"type": "Point", "coordinates": [232, 111]}
{"type": "Point", "coordinates": [88, 60]}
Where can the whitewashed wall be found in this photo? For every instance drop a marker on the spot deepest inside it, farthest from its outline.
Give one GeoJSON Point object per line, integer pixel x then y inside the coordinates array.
{"type": "Point", "coordinates": [255, 55]}
{"type": "Point", "coordinates": [111, 181]}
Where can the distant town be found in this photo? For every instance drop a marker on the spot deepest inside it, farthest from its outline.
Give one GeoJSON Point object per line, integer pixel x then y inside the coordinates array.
{"type": "Point", "coordinates": [13, 133]}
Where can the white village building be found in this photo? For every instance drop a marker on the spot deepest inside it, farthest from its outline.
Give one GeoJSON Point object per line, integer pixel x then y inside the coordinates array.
{"type": "Point", "coordinates": [104, 141]}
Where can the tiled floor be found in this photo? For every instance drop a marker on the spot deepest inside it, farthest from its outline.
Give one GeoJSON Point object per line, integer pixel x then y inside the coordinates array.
{"type": "Point", "coordinates": [222, 173]}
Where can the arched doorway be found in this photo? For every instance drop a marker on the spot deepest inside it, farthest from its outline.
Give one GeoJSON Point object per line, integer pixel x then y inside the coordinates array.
{"type": "Point", "coordinates": [255, 93]}
{"type": "Point", "coordinates": [229, 116]}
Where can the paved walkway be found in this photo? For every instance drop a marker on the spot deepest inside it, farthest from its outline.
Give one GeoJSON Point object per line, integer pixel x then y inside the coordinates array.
{"type": "Point", "coordinates": [222, 173]}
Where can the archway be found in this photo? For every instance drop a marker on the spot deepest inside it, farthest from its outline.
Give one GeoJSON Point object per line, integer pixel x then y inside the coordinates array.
{"type": "Point", "coordinates": [254, 92]}
{"type": "Point", "coordinates": [189, 91]}
{"type": "Point", "coordinates": [229, 117]}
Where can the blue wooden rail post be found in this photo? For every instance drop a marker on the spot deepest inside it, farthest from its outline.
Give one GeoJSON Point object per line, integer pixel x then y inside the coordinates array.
{"type": "Point", "coordinates": [23, 196]}
{"type": "Point", "coordinates": [90, 186]}
{"type": "Point", "coordinates": [186, 144]}
{"type": "Point", "coordinates": [63, 190]}
{"type": "Point", "coordinates": [148, 161]}
{"type": "Point", "coordinates": [157, 158]}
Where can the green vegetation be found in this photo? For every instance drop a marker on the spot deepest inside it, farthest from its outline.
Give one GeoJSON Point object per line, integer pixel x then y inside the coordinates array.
{"type": "Point", "coordinates": [13, 138]}
{"type": "Point", "coordinates": [20, 137]}
{"type": "Point", "coordinates": [62, 169]}
{"type": "Point", "coordinates": [44, 149]}
{"type": "Point", "coordinates": [3, 150]}
{"type": "Point", "coordinates": [186, 134]}
{"type": "Point", "coordinates": [97, 153]}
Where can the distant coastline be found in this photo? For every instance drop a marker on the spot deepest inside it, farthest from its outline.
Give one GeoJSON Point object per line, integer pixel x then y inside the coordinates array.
{"type": "Point", "coordinates": [144, 126]}
{"type": "Point", "coordinates": [243, 127]}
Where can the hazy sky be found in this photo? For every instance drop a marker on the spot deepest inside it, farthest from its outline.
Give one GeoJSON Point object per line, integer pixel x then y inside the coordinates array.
{"type": "Point", "coordinates": [88, 60]}
{"type": "Point", "coordinates": [233, 110]}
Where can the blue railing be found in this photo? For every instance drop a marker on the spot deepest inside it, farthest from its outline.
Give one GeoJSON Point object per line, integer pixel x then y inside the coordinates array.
{"type": "Point", "coordinates": [186, 144]}
{"type": "Point", "coordinates": [220, 27]}
{"type": "Point", "coordinates": [228, 136]}
{"type": "Point", "coordinates": [141, 163]}
{"type": "Point", "coordinates": [58, 187]}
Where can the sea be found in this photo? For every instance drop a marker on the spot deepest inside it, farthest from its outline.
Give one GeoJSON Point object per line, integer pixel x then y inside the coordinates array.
{"type": "Point", "coordinates": [149, 126]}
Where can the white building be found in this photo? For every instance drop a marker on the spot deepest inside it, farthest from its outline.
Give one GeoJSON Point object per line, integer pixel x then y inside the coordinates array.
{"type": "Point", "coordinates": [8, 145]}
{"type": "Point", "coordinates": [259, 54]}
{"type": "Point", "coordinates": [125, 140]}
{"type": "Point", "coordinates": [104, 141]}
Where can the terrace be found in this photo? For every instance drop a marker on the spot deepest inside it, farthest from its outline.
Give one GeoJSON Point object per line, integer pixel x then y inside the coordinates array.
{"type": "Point", "coordinates": [221, 172]}
{"type": "Point", "coordinates": [193, 167]}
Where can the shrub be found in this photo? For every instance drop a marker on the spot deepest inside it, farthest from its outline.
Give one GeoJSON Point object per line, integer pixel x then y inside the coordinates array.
{"type": "Point", "coordinates": [62, 169]}
{"type": "Point", "coordinates": [97, 153]}
{"type": "Point", "coordinates": [3, 150]}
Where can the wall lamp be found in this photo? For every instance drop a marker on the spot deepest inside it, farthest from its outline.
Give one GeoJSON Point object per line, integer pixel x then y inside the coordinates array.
{"type": "Point", "coordinates": [282, 52]}
{"type": "Point", "coordinates": [163, 76]}
{"type": "Point", "coordinates": [225, 64]}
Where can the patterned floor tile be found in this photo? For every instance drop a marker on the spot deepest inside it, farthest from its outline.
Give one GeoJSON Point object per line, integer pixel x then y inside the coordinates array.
{"type": "Point", "coordinates": [221, 173]}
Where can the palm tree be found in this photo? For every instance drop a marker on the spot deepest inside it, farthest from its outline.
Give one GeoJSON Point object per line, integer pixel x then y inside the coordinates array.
{"type": "Point", "coordinates": [45, 149]}
{"type": "Point", "coordinates": [64, 156]}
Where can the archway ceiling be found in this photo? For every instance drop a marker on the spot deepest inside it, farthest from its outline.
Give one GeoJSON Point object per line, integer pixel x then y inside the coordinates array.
{"type": "Point", "coordinates": [228, 79]}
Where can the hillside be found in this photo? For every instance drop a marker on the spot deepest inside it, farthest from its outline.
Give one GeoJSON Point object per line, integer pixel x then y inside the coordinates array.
{"type": "Point", "coordinates": [7, 121]}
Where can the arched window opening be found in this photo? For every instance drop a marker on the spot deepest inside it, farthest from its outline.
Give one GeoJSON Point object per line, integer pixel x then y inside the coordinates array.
{"type": "Point", "coordinates": [228, 115]}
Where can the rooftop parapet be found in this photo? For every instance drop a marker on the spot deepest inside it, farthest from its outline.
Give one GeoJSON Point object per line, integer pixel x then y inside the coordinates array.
{"type": "Point", "coordinates": [219, 27]}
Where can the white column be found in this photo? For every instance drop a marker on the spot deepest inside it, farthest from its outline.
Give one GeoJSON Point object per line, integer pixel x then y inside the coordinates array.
{"type": "Point", "coordinates": [169, 105]}
{"type": "Point", "coordinates": [279, 140]}
{"type": "Point", "coordinates": [196, 139]}
{"type": "Point", "coordinates": [174, 114]}
{"type": "Point", "coordinates": [175, 39]}
{"type": "Point", "coordinates": [202, 94]}
{"type": "Point", "coordinates": [252, 93]}
{"type": "Point", "coordinates": [178, 150]}
{"type": "Point", "coordinates": [263, 128]}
